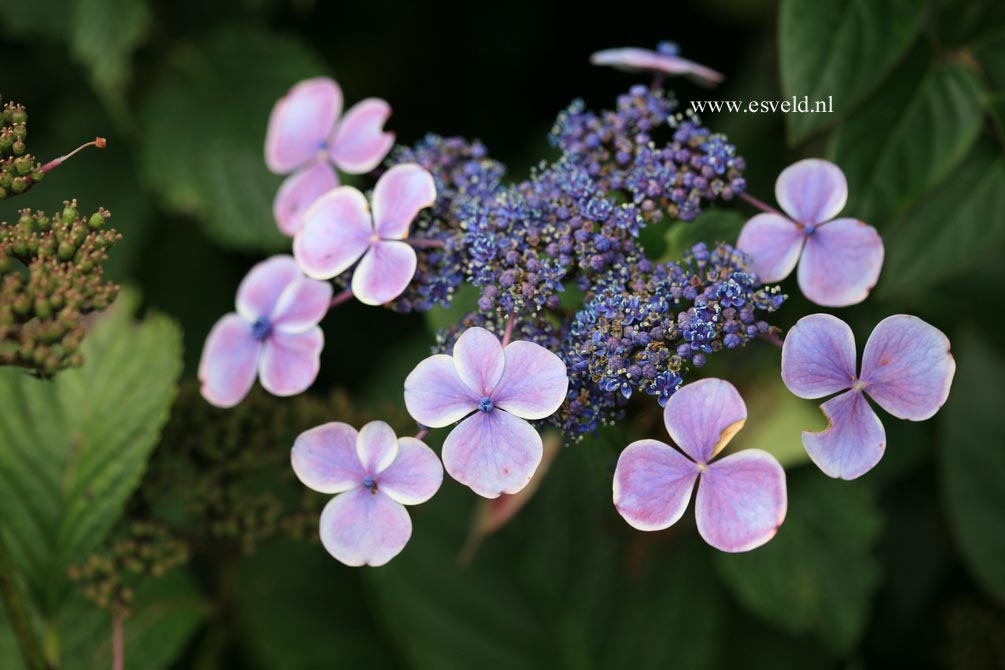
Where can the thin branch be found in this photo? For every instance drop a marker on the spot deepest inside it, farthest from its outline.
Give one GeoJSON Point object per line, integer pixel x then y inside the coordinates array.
{"type": "Point", "coordinates": [764, 207]}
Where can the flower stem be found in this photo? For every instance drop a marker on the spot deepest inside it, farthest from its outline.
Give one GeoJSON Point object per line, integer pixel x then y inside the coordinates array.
{"type": "Point", "coordinates": [770, 337]}
{"type": "Point", "coordinates": [764, 207]}
{"type": "Point", "coordinates": [18, 616]}
{"type": "Point", "coordinates": [118, 643]}
{"type": "Point", "coordinates": [422, 433]}
{"type": "Point", "coordinates": [419, 244]}
{"type": "Point", "coordinates": [98, 142]}
{"type": "Point", "coordinates": [509, 329]}
{"type": "Point", "coordinates": [340, 298]}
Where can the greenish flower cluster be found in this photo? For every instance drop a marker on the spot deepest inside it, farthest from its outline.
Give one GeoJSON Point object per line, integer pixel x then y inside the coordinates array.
{"type": "Point", "coordinates": [18, 169]}
{"type": "Point", "coordinates": [143, 549]}
{"type": "Point", "coordinates": [51, 278]}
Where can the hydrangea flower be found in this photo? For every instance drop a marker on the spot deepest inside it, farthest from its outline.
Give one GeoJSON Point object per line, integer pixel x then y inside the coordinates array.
{"type": "Point", "coordinates": [839, 259]}
{"type": "Point", "coordinates": [273, 335]}
{"type": "Point", "coordinates": [339, 230]}
{"type": "Point", "coordinates": [494, 450]}
{"type": "Point", "coordinates": [741, 498]}
{"type": "Point", "coordinates": [308, 134]}
{"type": "Point", "coordinates": [375, 474]}
{"type": "Point", "coordinates": [906, 369]}
{"type": "Point", "coordinates": [665, 60]}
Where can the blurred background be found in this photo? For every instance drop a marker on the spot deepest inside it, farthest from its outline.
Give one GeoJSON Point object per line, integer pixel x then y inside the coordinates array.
{"type": "Point", "coordinates": [903, 567]}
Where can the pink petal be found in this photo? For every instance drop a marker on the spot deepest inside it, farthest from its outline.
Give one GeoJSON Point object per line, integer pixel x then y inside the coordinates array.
{"type": "Point", "coordinates": [907, 367]}
{"type": "Point", "coordinates": [854, 441]}
{"type": "Point", "coordinates": [841, 263]}
{"type": "Point", "coordinates": [741, 501]}
{"type": "Point", "coordinates": [773, 243]}
{"type": "Point", "coordinates": [493, 453]}
{"type": "Point", "coordinates": [384, 273]}
{"type": "Point", "coordinates": [479, 359]}
{"type": "Point", "coordinates": [376, 446]}
{"type": "Point", "coordinates": [415, 476]}
{"type": "Point", "coordinates": [631, 59]}
{"type": "Point", "coordinates": [818, 356]}
{"type": "Point", "coordinates": [229, 362]}
{"type": "Point", "coordinates": [336, 231]}
{"type": "Point", "coordinates": [534, 381]}
{"type": "Point", "coordinates": [435, 396]}
{"type": "Point", "coordinates": [298, 192]}
{"type": "Point", "coordinates": [812, 190]}
{"type": "Point", "coordinates": [703, 416]}
{"type": "Point", "coordinates": [302, 305]}
{"type": "Point", "coordinates": [653, 484]}
{"type": "Point", "coordinates": [324, 458]}
{"type": "Point", "coordinates": [290, 361]}
{"type": "Point", "coordinates": [261, 287]}
{"type": "Point", "coordinates": [300, 123]}
{"type": "Point", "coordinates": [398, 196]}
{"type": "Point", "coordinates": [364, 527]}
{"type": "Point", "coordinates": [359, 143]}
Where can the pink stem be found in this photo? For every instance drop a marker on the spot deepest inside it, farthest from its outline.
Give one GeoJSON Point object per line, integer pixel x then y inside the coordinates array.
{"type": "Point", "coordinates": [340, 298]}
{"type": "Point", "coordinates": [422, 433]}
{"type": "Point", "coordinates": [419, 244]}
{"type": "Point", "coordinates": [764, 207]}
{"type": "Point", "coordinates": [509, 329]}
{"type": "Point", "coordinates": [98, 142]}
{"type": "Point", "coordinates": [118, 643]}
{"type": "Point", "coordinates": [768, 337]}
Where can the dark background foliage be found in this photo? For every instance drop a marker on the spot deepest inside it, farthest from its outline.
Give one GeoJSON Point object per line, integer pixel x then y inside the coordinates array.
{"type": "Point", "coordinates": [903, 567]}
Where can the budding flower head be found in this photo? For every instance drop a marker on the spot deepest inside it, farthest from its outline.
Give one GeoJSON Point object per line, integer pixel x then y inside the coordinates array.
{"type": "Point", "coordinates": [51, 277]}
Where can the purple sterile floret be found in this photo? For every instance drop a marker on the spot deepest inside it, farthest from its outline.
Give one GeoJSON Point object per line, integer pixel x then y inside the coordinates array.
{"type": "Point", "coordinates": [907, 370]}
{"type": "Point", "coordinates": [741, 498]}
{"type": "Point", "coordinates": [839, 259]}
{"type": "Point", "coordinates": [273, 335]}
{"type": "Point", "coordinates": [374, 474]}
{"type": "Point", "coordinates": [495, 390]}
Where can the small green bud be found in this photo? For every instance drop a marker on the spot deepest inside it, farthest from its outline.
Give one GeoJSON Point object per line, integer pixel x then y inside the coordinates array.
{"type": "Point", "coordinates": [66, 251]}
{"type": "Point", "coordinates": [96, 221]}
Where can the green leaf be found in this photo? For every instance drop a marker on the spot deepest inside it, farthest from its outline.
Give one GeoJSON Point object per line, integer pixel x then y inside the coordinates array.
{"type": "Point", "coordinates": [909, 137]}
{"type": "Point", "coordinates": [951, 230]}
{"type": "Point", "coordinates": [973, 462]}
{"type": "Point", "coordinates": [204, 122]}
{"type": "Point", "coordinates": [818, 574]}
{"type": "Point", "coordinates": [299, 608]}
{"type": "Point", "coordinates": [989, 50]}
{"type": "Point", "coordinates": [103, 36]}
{"type": "Point", "coordinates": [840, 48]}
{"type": "Point", "coordinates": [72, 450]}
{"type": "Point", "coordinates": [27, 18]}
{"type": "Point", "coordinates": [714, 225]}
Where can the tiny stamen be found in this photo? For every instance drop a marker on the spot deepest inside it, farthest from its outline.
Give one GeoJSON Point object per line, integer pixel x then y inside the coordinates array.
{"type": "Point", "coordinates": [98, 142]}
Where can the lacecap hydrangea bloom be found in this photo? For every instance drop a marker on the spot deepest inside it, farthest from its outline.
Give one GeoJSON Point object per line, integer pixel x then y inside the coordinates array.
{"type": "Point", "coordinates": [374, 474]}
{"type": "Point", "coordinates": [839, 259]}
{"type": "Point", "coordinates": [309, 136]}
{"type": "Point", "coordinates": [741, 499]}
{"type": "Point", "coordinates": [273, 335]}
{"type": "Point", "coordinates": [906, 369]}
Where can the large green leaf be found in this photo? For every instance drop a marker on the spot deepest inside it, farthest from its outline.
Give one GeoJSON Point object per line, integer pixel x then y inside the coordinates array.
{"type": "Point", "coordinates": [204, 122]}
{"type": "Point", "coordinates": [973, 461]}
{"type": "Point", "coordinates": [72, 450]}
{"type": "Point", "coordinates": [565, 584]}
{"type": "Point", "coordinates": [951, 230]}
{"type": "Point", "coordinates": [909, 137]}
{"type": "Point", "coordinates": [818, 574]}
{"type": "Point", "coordinates": [103, 36]}
{"type": "Point", "coordinates": [842, 49]}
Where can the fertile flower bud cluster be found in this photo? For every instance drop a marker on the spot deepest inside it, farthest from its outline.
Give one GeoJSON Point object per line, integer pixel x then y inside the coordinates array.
{"type": "Point", "coordinates": [645, 327]}
{"type": "Point", "coordinates": [108, 577]}
{"type": "Point", "coordinates": [18, 168]}
{"type": "Point", "coordinates": [51, 277]}
{"type": "Point", "coordinates": [628, 150]}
